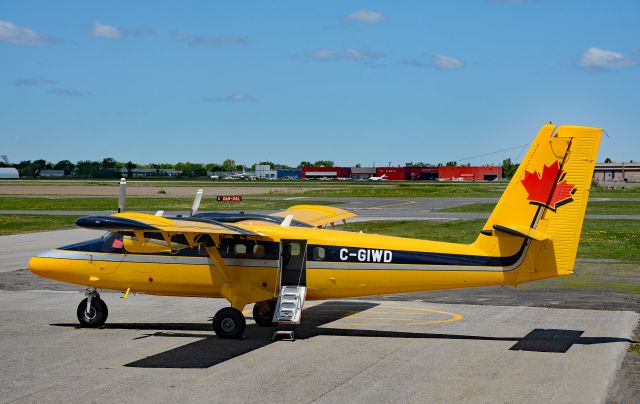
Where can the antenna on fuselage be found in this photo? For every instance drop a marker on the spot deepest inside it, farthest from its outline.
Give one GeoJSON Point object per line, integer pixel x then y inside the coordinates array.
{"type": "Point", "coordinates": [123, 194]}
{"type": "Point", "coordinates": [196, 202]}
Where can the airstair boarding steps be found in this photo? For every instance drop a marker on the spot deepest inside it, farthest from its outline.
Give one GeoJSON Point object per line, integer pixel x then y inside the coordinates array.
{"type": "Point", "coordinates": [290, 303]}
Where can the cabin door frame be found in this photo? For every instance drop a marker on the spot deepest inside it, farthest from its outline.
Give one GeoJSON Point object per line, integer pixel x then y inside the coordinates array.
{"type": "Point", "coordinates": [293, 263]}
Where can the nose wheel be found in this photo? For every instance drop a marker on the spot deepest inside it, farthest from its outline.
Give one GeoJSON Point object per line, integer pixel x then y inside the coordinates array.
{"type": "Point", "coordinates": [229, 323]}
{"type": "Point", "coordinates": [92, 312]}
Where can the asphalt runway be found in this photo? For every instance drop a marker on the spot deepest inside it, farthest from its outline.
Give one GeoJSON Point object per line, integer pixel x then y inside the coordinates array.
{"type": "Point", "coordinates": [161, 349]}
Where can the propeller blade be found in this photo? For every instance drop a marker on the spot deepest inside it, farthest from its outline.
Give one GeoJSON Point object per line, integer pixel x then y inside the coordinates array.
{"type": "Point", "coordinates": [123, 195]}
{"type": "Point", "coordinates": [287, 221]}
{"type": "Point", "coordinates": [196, 202]}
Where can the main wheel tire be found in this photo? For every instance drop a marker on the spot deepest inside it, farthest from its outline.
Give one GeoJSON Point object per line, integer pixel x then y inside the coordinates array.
{"type": "Point", "coordinates": [264, 319]}
{"type": "Point", "coordinates": [97, 315]}
{"type": "Point", "coordinates": [229, 323]}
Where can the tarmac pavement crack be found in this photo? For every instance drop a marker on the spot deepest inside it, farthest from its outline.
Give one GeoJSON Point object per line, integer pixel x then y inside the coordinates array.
{"type": "Point", "coordinates": [372, 364]}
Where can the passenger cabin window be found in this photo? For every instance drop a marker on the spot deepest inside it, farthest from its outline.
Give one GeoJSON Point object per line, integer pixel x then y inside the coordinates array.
{"type": "Point", "coordinates": [258, 251]}
{"type": "Point", "coordinates": [318, 253]}
{"type": "Point", "coordinates": [240, 250]}
{"type": "Point", "coordinates": [294, 249]}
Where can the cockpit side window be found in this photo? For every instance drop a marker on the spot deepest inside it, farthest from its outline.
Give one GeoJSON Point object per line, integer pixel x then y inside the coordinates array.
{"type": "Point", "coordinates": [112, 243]}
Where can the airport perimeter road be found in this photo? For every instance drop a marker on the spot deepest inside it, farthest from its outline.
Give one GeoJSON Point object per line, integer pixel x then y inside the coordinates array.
{"type": "Point", "coordinates": [161, 349]}
{"type": "Point", "coordinates": [15, 250]}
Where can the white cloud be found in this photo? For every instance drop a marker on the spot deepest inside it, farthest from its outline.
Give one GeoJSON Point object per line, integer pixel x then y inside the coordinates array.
{"type": "Point", "coordinates": [599, 59]}
{"type": "Point", "coordinates": [234, 98]}
{"type": "Point", "coordinates": [442, 62]}
{"type": "Point", "coordinates": [67, 92]}
{"type": "Point", "coordinates": [366, 16]}
{"type": "Point", "coordinates": [11, 33]}
{"type": "Point", "coordinates": [439, 62]}
{"type": "Point", "coordinates": [106, 31]}
{"type": "Point", "coordinates": [179, 35]}
{"type": "Point", "coordinates": [212, 42]}
{"type": "Point", "coordinates": [208, 41]}
{"type": "Point", "coordinates": [350, 54]}
{"type": "Point", "coordinates": [321, 54]}
{"type": "Point", "coordinates": [31, 81]}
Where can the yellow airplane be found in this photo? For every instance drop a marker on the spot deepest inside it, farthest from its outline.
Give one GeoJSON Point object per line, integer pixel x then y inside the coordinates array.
{"type": "Point", "coordinates": [277, 261]}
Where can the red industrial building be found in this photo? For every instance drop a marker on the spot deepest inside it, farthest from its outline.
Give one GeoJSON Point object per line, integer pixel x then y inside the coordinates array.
{"type": "Point", "coordinates": [470, 173]}
{"type": "Point", "coordinates": [407, 173]}
{"type": "Point", "coordinates": [459, 173]}
{"type": "Point", "coordinates": [325, 172]}
{"type": "Point", "coordinates": [422, 173]}
{"type": "Point", "coordinates": [392, 173]}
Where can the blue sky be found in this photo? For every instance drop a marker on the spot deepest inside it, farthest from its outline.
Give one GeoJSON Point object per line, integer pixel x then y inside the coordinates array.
{"type": "Point", "coordinates": [349, 81]}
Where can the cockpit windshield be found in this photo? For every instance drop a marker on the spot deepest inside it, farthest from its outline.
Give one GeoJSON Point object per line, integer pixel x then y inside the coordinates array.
{"type": "Point", "coordinates": [107, 243]}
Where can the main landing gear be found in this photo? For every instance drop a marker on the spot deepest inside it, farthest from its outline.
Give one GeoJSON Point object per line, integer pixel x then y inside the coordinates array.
{"type": "Point", "coordinates": [229, 323]}
{"type": "Point", "coordinates": [92, 311]}
{"type": "Point", "coordinates": [263, 313]}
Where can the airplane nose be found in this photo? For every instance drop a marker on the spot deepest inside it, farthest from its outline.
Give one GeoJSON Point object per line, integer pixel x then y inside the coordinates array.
{"type": "Point", "coordinates": [38, 266]}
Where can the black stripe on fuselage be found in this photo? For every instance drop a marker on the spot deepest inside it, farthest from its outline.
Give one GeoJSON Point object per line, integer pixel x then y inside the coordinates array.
{"type": "Point", "coordinates": [332, 254]}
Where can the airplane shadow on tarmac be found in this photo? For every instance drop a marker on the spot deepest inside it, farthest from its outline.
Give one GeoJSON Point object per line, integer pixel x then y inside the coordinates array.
{"type": "Point", "coordinates": [211, 350]}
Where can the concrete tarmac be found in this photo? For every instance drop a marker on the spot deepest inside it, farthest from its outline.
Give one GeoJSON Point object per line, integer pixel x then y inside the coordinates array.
{"type": "Point", "coordinates": [16, 249]}
{"type": "Point", "coordinates": [161, 349]}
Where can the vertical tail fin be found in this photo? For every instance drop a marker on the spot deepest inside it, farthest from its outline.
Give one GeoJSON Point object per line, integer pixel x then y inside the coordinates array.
{"type": "Point", "coordinates": [546, 201]}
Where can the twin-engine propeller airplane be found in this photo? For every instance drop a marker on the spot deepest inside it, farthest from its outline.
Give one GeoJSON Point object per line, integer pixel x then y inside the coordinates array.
{"type": "Point", "coordinates": [277, 261]}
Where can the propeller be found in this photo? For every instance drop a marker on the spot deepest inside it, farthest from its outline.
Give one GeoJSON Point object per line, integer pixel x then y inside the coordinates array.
{"type": "Point", "coordinates": [196, 202]}
{"type": "Point", "coordinates": [287, 221]}
{"type": "Point", "coordinates": [123, 195]}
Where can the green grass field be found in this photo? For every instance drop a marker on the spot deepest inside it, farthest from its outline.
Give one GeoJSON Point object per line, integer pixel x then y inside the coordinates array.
{"type": "Point", "coordinates": [14, 224]}
{"type": "Point", "coordinates": [593, 208]}
{"type": "Point", "coordinates": [601, 239]}
{"type": "Point", "coordinates": [148, 204]}
{"type": "Point", "coordinates": [408, 189]}
{"type": "Point", "coordinates": [415, 189]}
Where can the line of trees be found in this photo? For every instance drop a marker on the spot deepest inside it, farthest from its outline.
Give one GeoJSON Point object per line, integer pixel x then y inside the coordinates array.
{"type": "Point", "coordinates": [111, 168]}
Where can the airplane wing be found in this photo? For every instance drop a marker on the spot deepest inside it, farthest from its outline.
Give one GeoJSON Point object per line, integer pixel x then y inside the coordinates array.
{"type": "Point", "coordinates": [316, 215]}
{"type": "Point", "coordinates": [130, 221]}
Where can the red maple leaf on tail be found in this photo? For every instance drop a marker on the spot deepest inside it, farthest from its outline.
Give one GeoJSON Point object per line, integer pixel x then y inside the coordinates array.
{"type": "Point", "coordinates": [550, 189]}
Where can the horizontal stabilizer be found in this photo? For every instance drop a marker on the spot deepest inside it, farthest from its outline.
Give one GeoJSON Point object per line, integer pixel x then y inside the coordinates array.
{"type": "Point", "coordinates": [521, 231]}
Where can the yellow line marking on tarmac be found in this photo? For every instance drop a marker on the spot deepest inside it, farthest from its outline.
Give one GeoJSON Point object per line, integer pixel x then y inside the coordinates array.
{"type": "Point", "coordinates": [385, 318]}
{"type": "Point", "coordinates": [409, 321]}
{"type": "Point", "coordinates": [347, 314]}
{"type": "Point", "coordinates": [386, 206]}
{"type": "Point", "coordinates": [454, 316]}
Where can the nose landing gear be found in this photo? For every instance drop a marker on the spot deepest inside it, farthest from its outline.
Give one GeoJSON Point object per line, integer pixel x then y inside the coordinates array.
{"type": "Point", "coordinates": [92, 312]}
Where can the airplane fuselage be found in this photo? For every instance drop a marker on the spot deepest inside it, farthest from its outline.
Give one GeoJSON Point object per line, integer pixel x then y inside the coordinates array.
{"type": "Point", "coordinates": [342, 265]}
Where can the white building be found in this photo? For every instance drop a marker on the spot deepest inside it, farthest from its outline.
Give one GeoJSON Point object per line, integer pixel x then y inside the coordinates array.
{"type": "Point", "coordinates": [51, 173]}
{"type": "Point", "coordinates": [9, 172]}
{"type": "Point", "coordinates": [264, 171]}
